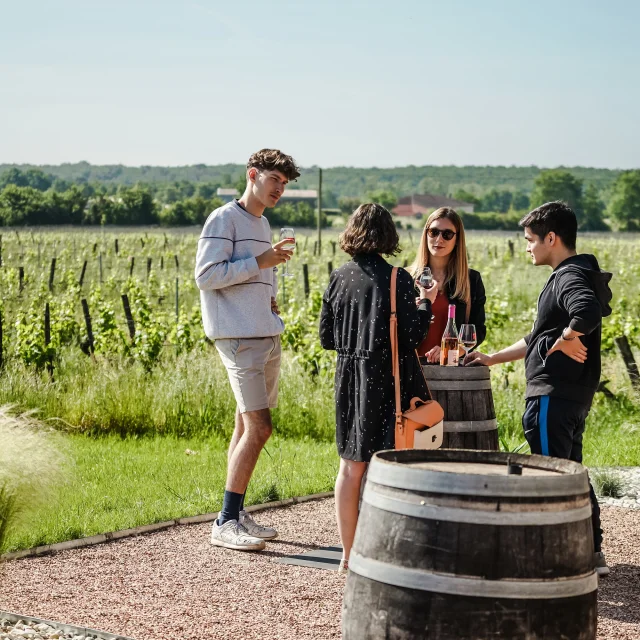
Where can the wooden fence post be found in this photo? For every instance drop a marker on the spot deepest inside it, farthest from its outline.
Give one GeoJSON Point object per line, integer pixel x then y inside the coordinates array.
{"type": "Point", "coordinates": [131, 265]}
{"type": "Point", "coordinates": [629, 362]}
{"type": "Point", "coordinates": [177, 298]}
{"type": "Point", "coordinates": [84, 269]}
{"type": "Point", "coordinates": [305, 279]}
{"type": "Point", "coordinates": [127, 312]}
{"type": "Point", "coordinates": [52, 272]}
{"type": "Point", "coordinates": [47, 337]}
{"type": "Point", "coordinates": [87, 321]}
{"type": "Point", "coordinates": [117, 248]}
{"type": "Point", "coordinates": [21, 278]}
{"type": "Point", "coordinates": [149, 260]}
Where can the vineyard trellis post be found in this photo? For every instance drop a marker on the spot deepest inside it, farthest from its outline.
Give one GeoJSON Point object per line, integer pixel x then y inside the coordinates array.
{"type": "Point", "coordinates": [47, 337]}
{"type": "Point", "coordinates": [100, 265]}
{"type": "Point", "coordinates": [127, 313]}
{"type": "Point", "coordinates": [305, 279]}
{"type": "Point", "coordinates": [177, 298]}
{"type": "Point", "coordinates": [117, 247]}
{"type": "Point", "coordinates": [21, 279]}
{"type": "Point", "coordinates": [622, 342]}
{"type": "Point", "coordinates": [87, 321]}
{"type": "Point", "coordinates": [132, 263]}
{"type": "Point", "coordinates": [84, 269]}
{"type": "Point", "coordinates": [319, 211]}
{"type": "Point", "coordinates": [0, 249]}
{"type": "Point", "coordinates": [1, 342]}
{"type": "Point", "coordinates": [52, 273]}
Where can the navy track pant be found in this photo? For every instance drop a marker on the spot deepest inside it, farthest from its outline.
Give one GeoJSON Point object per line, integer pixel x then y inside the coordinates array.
{"type": "Point", "coordinates": [554, 427]}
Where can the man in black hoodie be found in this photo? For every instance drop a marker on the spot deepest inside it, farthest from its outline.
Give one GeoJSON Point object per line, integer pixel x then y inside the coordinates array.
{"type": "Point", "coordinates": [562, 352]}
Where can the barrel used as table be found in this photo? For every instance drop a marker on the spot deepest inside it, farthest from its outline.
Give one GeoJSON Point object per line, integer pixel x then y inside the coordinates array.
{"type": "Point", "coordinates": [469, 414]}
{"type": "Point", "coordinates": [449, 546]}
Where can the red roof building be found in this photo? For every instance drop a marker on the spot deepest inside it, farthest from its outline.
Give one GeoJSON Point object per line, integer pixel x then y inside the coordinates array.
{"type": "Point", "coordinates": [424, 204]}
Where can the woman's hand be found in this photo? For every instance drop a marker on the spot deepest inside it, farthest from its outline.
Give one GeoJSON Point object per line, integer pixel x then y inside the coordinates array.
{"type": "Point", "coordinates": [433, 355]}
{"type": "Point", "coordinates": [430, 293]}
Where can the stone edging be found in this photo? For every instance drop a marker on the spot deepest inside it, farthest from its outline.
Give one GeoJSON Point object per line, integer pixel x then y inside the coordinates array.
{"type": "Point", "coordinates": [60, 626]}
{"type": "Point", "coordinates": [147, 528]}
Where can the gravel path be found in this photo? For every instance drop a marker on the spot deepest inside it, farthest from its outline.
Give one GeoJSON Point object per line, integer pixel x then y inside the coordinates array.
{"type": "Point", "coordinates": [172, 585]}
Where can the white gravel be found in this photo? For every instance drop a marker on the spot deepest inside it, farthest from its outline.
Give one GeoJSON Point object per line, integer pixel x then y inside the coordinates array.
{"type": "Point", "coordinates": [630, 480]}
{"type": "Point", "coordinates": [172, 585]}
{"type": "Point", "coordinates": [36, 631]}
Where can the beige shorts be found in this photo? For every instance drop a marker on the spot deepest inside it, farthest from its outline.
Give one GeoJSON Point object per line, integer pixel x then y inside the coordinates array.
{"type": "Point", "coordinates": [253, 365]}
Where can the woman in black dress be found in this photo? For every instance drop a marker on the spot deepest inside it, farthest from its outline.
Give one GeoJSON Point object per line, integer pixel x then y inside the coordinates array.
{"type": "Point", "coordinates": [355, 322]}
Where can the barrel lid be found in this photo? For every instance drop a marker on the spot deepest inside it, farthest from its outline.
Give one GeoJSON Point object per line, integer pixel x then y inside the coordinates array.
{"type": "Point", "coordinates": [481, 473]}
{"type": "Point", "coordinates": [479, 468]}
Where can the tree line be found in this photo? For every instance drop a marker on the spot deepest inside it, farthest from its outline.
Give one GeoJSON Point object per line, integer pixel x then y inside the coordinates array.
{"type": "Point", "coordinates": [29, 206]}
{"type": "Point", "coordinates": [33, 197]}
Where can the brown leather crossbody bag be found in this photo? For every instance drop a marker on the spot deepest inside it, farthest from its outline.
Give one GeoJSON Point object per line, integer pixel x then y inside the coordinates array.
{"type": "Point", "coordinates": [421, 426]}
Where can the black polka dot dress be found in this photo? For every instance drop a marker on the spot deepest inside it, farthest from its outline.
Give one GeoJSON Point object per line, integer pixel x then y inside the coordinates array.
{"type": "Point", "coordinates": [355, 318]}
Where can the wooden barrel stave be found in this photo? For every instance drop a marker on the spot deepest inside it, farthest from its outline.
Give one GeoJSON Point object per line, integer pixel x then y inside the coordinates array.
{"type": "Point", "coordinates": [453, 388]}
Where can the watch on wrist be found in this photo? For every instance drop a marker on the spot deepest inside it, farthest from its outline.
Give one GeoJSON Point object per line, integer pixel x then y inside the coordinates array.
{"type": "Point", "coordinates": [565, 338]}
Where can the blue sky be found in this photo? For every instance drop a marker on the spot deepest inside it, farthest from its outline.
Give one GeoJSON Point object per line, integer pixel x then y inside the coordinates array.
{"type": "Point", "coordinates": [333, 83]}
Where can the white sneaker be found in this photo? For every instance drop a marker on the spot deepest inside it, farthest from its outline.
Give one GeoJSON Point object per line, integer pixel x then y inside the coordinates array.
{"type": "Point", "coordinates": [600, 564]}
{"type": "Point", "coordinates": [254, 529]}
{"type": "Point", "coordinates": [232, 535]}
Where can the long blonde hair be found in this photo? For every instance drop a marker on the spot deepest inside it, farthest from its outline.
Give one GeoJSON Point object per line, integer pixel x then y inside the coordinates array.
{"type": "Point", "coordinates": [458, 266]}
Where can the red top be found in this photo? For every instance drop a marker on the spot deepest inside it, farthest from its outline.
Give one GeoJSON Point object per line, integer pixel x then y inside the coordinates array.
{"type": "Point", "coordinates": [440, 311]}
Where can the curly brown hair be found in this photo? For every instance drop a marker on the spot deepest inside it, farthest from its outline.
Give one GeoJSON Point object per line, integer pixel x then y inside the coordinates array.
{"type": "Point", "coordinates": [274, 160]}
{"type": "Point", "coordinates": [370, 229]}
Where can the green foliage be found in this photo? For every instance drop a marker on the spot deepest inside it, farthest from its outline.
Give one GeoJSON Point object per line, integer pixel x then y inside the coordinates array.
{"type": "Point", "coordinates": [593, 209]}
{"type": "Point", "coordinates": [558, 184]}
{"type": "Point", "coordinates": [624, 206]}
{"type": "Point", "coordinates": [388, 199]}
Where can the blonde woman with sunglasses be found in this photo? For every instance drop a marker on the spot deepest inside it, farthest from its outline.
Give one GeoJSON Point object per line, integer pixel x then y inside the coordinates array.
{"type": "Point", "coordinates": [443, 249]}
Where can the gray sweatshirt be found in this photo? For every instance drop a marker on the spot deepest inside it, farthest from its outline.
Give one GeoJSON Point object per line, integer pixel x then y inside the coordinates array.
{"type": "Point", "coordinates": [235, 295]}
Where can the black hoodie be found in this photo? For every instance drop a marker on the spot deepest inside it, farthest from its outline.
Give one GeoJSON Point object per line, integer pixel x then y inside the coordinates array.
{"type": "Point", "coordinates": [577, 295]}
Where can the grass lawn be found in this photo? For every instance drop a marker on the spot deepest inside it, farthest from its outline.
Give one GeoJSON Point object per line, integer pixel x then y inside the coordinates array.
{"type": "Point", "coordinates": [115, 483]}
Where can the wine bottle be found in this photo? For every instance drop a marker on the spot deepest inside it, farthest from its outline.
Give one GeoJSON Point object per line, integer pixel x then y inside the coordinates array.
{"type": "Point", "coordinates": [450, 349]}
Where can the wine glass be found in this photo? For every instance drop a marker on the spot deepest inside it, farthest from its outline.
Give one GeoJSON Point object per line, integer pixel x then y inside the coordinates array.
{"type": "Point", "coordinates": [288, 234]}
{"type": "Point", "coordinates": [467, 338]}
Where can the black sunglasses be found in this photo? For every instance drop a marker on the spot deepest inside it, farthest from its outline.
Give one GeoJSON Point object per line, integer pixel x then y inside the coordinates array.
{"type": "Point", "coordinates": [447, 234]}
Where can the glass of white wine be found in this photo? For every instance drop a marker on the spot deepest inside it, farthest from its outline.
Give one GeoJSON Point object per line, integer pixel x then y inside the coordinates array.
{"type": "Point", "coordinates": [288, 234]}
{"type": "Point", "coordinates": [467, 338]}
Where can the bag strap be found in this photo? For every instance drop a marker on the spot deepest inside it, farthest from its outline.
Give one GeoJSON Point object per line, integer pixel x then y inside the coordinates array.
{"type": "Point", "coordinates": [393, 324]}
{"type": "Point", "coordinates": [394, 351]}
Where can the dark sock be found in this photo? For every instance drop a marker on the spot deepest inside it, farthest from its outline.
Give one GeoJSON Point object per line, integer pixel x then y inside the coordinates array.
{"type": "Point", "coordinates": [230, 507]}
{"type": "Point", "coordinates": [242, 501]}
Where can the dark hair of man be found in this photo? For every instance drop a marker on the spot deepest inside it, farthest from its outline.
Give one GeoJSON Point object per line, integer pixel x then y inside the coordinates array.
{"type": "Point", "coordinates": [553, 216]}
{"type": "Point", "coordinates": [274, 160]}
{"type": "Point", "coordinates": [370, 229]}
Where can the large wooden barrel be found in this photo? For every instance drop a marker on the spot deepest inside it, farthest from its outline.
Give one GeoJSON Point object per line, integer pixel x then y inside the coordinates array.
{"type": "Point", "coordinates": [450, 547]}
{"type": "Point", "coordinates": [469, 414]}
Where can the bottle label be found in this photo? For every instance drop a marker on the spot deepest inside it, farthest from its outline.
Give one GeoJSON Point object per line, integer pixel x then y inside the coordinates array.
{"type": "Point", "coordinates": [452, 357]}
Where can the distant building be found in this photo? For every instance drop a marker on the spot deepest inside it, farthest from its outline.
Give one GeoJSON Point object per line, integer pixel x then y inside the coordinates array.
{"type": "Point", "coordinates": [310, 196]}
{"type": "Point", "coordinates": [426, 203]}
{"type": "Point", "coordinates": [226, 195]}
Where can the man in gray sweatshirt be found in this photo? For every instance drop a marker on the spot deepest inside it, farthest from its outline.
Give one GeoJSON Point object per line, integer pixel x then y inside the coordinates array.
{"type": "Point", "coordinates": [236, 274]}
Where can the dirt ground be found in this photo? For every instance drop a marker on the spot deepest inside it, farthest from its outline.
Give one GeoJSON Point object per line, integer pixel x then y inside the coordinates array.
{"type": "Point", "coordinates": [173, 585]}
